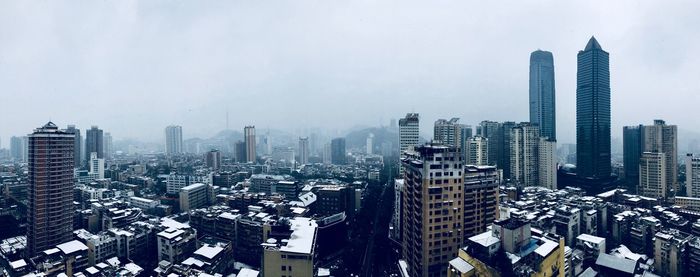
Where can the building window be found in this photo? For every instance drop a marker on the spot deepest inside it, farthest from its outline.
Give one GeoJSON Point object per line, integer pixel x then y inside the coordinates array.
{"type": "Point", "coordinates": [284, 268]}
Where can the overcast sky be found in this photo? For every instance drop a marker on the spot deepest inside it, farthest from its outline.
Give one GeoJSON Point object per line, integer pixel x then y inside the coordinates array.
{"type": "Point", "coordinates": [133, 67]}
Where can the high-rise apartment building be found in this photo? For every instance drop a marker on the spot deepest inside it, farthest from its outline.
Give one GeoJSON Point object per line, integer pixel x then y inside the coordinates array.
{"type": "Point", "coordinates": [369, 144]}
{"type": "Point", "coordinates": [249, 137]}
{"type": "Point", "coordinates": [338, 151]}
{"type": "Point", "coordinates": [304, 150]}
{"type": "Point", "coordinates": [524, 154]}
{"type": "Point", "coordinates": [213, 158]}
{"type": "Point", "coordinates": [652, 175]}
{"type": "Point", "coordinates": [77, 145]}
{"type": "Point", "coordinates": [408, 135]}
{"type": "Point", "coordinates": [477, 149]}
{"type": "Point", "coordinates": [542, 96]}
{"type": "Point", "coordinates": [547, 163]}
{"type": "Point", "coordinates": [173, 140]}
{"type": "Point", "coordinates": [94, 142]}
{"type": "Point", "coordinates": [50, 209]}
{"type": "Point", "coordinates": [239, 149]}
{"type": "Point", "coordinates": [493, 132]}
{"type": "Point", "coordinates": [593, 112]}
{"type": "Point", "coordinates": [18, 149]}
{"type": "Point", "coordinates": [448, 132]}
{"type": "Point", "coordinates": [432, 208]}
{"type": "Point", "coordinates": [97, 166]}
{"type": "Point", "coordinates": [663, 138]}
{"type": "Point", "coordinates": [692, 175]}
{"type": "Point", "coordinates": [480, 198]}
{"type": "Point", "coordinates": [466, 134]}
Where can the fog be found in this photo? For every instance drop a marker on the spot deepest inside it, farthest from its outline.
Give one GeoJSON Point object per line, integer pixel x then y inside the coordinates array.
{"type": "Point", "coordinates": [133, 67]}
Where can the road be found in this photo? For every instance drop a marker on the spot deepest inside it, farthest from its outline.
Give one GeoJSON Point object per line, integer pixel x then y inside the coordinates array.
{"type": "Point", "coordinates": [367, 259]}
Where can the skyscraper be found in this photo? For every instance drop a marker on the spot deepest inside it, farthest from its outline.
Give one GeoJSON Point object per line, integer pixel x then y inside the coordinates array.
{"type": "Point", "coordinates": [542, 96]}
{"type": "Point", "coordinates": [652, 175]}
{"type": "Point", "coordinates": [369, 144]}
{"type": "Point", "coordinates": [239, 150]}
{"type": "Point", "coordinates": [77, 146]}
{"type": "Point", "coordinates": [173, 140]}
{"type": "Point", "coordinates": [304, 150]}
{"type": "Point", "coordinates": [547, 163]}
{"type": "Point", "coordinates": [50, 209]}
{"type": "Point", "coordinates": [493, 132]}
{"type": "Point", "coordinates": [213, 158]}
{"type": "Point", "coordinates": [477, 150]}
{"type": "Point", "coordinates": [249, 137]}
{"type": "Point", "coordinates": [692, 175]}
{"type": "Point", "coordinates": [338, 151]}
{"type": "Point", "coordinates": [17, 147]}
{"type": "Point", "coordinates": [408, 132]}
{"type": "Point", "coordinates": [431, 210]}
{"type": "Point", "coordinates": [94, 142]}
{"type": "Point", "coordinates": [593, 112]}
{"type": "Point", "coordinates": [632, 148]}
{"type": "Point", "coordinates": [662, 138]}
{"type": "Point", "coordinates": [524, 154]}
{"type": "Point", "coordinates": [448, 132]}
{"type": "Point", "coordinates": [109, 151]}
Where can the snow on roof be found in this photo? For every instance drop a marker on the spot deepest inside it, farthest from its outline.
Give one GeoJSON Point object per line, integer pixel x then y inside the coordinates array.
{"type": "Point", "coordinates": [133, 268]}
{"type": "Point", "coordinates": [193, 186]}
{"type": "Point", "coordinates": [114, 261]}
{"type": "Point", "coordinates": [590, 238]}
{"type": "Point", "coordinates": [92, 270]}
{"type": "Point", "coordinates": [461, 265]}
{"type": "Point", "coordinates": [485, 239]}
{"type": "Point", "coordinates": [546, 248]}
{"type": "Point", "coordinates": [18, 264]}
{"type": "Point", "coordinates": [193, 261]}
{"type": "Point", "coordinates": [228, 215]}
{"type": "Point", "coordinates": [209, 251]}
{"type": "Point", "coordinates": [171, 223]}
{"type": "Point", "coordinates": [170, 233]}
{"type": "Point", "coordinates": [72, 247]}
{"type": "Point", "coordinates": [617, 263]}
{"type": "Point", "coordinates": [303, 236]}
{"type": "Point", "coordinates": [322, 272]}
{"type": "Point", "coordinates": [247, 272]}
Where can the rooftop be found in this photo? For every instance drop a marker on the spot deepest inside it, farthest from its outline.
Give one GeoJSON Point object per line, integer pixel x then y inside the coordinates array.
{"type": "Point", "coordinates": [617, 263]}
{"type": "Point", "coordinates": [72, 247]}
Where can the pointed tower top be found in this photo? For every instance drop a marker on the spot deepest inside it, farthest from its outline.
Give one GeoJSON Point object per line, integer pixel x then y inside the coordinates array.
{"type": "Point", "coordinates": [592, 44]}
{"type": "Point", "coordinates": [50, 125]}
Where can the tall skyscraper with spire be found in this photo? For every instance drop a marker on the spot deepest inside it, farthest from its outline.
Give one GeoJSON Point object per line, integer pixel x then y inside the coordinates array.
{"type": "Point", "coordinates": [50, 193]}
{"type": "Point", "coordinates": [542, 96]}
{"type": "Point", "coordinates": [593, 112]}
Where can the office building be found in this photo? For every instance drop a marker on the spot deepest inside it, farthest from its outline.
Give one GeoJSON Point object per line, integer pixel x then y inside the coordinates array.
{"type": "Point", "coordinates": [77, 145]}
{"type": "Point", "coordinates": [524, 154]}
{"type": "Point", "coordinates": [652, 175]}
{"type": "Point", "coordinates": [593, 112]}
{"type": "Point", "coordinates": [692, 175]}
{"type": "Point", "coordinates": [492, 131]}
{"type": "Point", "coordinates": [448, 132]}
{"type": "Point", "coordinates": [194, 196]}
{"type": "Point", "coordinates": [480, 198]}
{"type": "Point", "coordinates": [50, 209]}
{"type": "Point", "coordinates": [632, 148]}
{"type": "Point", "coordinates": [304, 150]}
{"type": "Point", "coordinates": [97, 166]}
{"type": "Point", "coordinates": [249, 138]}
{"type": "Point", "coordinates": [213, 158]}
{"type": "Point", "coordinates": [547, 163]}
{"type": "Point", "coordinates": [542, 96]}
{"type": "Point", "coordinates": [432, 208]}
{"type": "Point", "coordinates": [338, 151]}
{"type": "Point", "coordinates": [94, 142]}
{"type": "Point", "coordinates": [173, 140]}
{"type": "Point", "coordinates": [239, 151]}
{"type": "Point", "coordinates": [662, 138]}
{"type": "Point", "coordinates": [477, 149]}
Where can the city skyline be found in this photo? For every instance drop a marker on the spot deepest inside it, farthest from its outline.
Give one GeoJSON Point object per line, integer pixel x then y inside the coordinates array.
{"type": "Point", "coordinates": [382, 66]}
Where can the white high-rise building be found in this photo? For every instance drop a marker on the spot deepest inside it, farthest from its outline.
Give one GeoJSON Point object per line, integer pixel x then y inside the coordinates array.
{"type": "Point", "coordinates": [692, 175]}
{"type": "Point", "coordinates": [663, 138]}
{"type": "Point", "coordinates": [524, 154]}
{"type": "Point", "coordinates": [304, 150]}
{"type": "Point", "coordinates": [448, 132]}
{"type": "Point", "coordinates": [547, 163]}
{"type": "Point", "coordinates": [173, 140]}
{"type": "Point", "coordinates": [97, 166]}
{"type": "Point", "coordinates": [369, 144]}
{"type": "Point", "coordinates": [408, 135]}
{"type": "Point", "coordinates": [249, 137]}
{"type": "Point", "coordinates": [652, 175]}
{"type": "Point", "coordinates": [477, 149]}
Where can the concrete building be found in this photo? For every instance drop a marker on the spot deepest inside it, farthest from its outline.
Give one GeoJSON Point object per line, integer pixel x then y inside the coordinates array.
{"type": "Point", "coordinates": [669, 253]}
{"type": "Point", "coordinates": [448, 132]}
{"type": "Point", "coordinates": [175, 244]}
{"type": "Point", "coordinates": [173, 140]}
{"type": "Point", "coordinates": [524, 154]}
{"type": "Point", "coordinates": [481, 192]}
{"type": "Point", "coordinates": [632, 151]}
{"type": "Point", "coordinates": [213, 159]}
{"type": "Point", "coordinates": [395, 227]}
{"type": "Point", "coordinates": [175, 182]}
{"type": "Point", "coordinates": [108, 146]}
{"type": "Point", "coordinates": [100, 246]}
{"type": "Point", "coordinates": [567, 223]}
{"type": "Point", "coordinates": [143, 203]}
{"type": "Point", "coordinates": [662, 138]}
{"type": "Point", "coordinates": [692, 175]}
{"type": "Point", "coordinates": [97, 166]}
{"type": "Point", "coordinates": [291, 252]}
{"type": "Point", "coordinates": [50, 208]}
{"type": "Point", "coordinates": [408, 135]}
{"type": "Point", "coordinates": [94, 142]}
{"type": "Point", "coordinates": [77, 145]}
{"type": "Point", "coordinates": [547, 163]}
{"type": "Point", "coordinates": [652, 175]}
{"type": "Point", "coordinates": [250, 148]}
{"type": "Point", "coordinates": [193, 197]}
{"type": "Point", "coordinates": [369, 144]}
{"type": "Point", "coordinates": [477, 151]}
{"type": "Point", "coordinates": [304, 150]}
{"type": "Point", "coordinates": [239, 151]}
{"type": "Point", "coordinates": [433, 182]}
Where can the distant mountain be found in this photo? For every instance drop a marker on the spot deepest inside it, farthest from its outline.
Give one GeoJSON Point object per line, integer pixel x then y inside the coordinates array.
{"type": "Point", "coordinates": [358, 138]}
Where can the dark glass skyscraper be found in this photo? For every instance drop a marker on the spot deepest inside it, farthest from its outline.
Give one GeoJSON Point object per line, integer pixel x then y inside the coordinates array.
{"type": "Point", "coordinates": [338, 151]}
{"type": "Point", "coordinates": [632, 148]}
{"type": "Point", "coordinates": [542, 97]}
{"type": "Point", "coordinates": [593, 112]}
{"type": "Point", "coordinates": [94, 142]}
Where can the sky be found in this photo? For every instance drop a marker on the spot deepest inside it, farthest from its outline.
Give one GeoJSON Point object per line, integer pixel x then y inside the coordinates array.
{"type": "Point", "coordinates": [134, 67]}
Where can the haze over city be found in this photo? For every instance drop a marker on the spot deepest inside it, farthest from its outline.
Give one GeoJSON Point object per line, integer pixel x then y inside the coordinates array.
{"type": "Point", "coordinates": [133, 67]}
